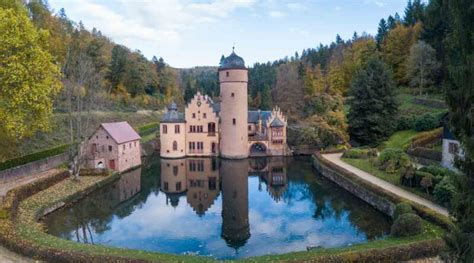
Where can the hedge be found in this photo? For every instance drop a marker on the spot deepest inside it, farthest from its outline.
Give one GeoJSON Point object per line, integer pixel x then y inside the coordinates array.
{"type": "Point", "coordinates": [406, 225]}
{"type": "Point", "coordinates": [426, 153]}
{"type": "Point", "coordinates": [360, 153]}
{"type": "Point", "coordinates": [33, 157]}
{"type": "Point", "coordinates": [148, 128]}
{"type": "Point", "coordinates": [426, 138]}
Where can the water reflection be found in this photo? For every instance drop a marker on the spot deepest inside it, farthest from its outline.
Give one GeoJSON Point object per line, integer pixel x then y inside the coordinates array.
{"type": "Point", "coordinates": [221, 208]}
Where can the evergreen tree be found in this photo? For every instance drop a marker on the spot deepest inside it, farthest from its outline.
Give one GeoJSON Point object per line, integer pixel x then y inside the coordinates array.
{"type": "Point", "coordinates": [266, 98]}
{"type": "Point", "coordinates": [460, 99]}
{"type": "Point", "coordinates": [339, 40]}
{"type": "Point", "coordinates": [373, 104]}
{"type": "Point", "coordinates": [391, 22]}
{"type": "Point", "coordinates": [117, 67]}
{"type": "Point", "coordinates": [409, 18]}
{"type": "Point", "coordinates": [355, 36]}
{"type": "Point", "coordinates": [381, 32]}
{"type": "Point", "coordinates": [397, 18]}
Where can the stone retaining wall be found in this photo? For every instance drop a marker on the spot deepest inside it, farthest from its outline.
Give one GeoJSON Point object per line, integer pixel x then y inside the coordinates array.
{"type": "Point", "coordinates": [33, 167]}
{"type": "Point", "coordinates": [343, 179]}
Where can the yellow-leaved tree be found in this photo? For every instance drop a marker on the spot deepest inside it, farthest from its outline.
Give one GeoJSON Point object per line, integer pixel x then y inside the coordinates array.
{"type": "Point", "coordinates": [28, 77]}
{"type": "Point", "coordinates": [396, 50]}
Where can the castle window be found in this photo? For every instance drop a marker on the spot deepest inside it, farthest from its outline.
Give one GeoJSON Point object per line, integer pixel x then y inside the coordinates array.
{"type": "Point", "coordinates": [175, 170]}
{"type": "Point", "coordinates": [227, 73]}
{"type": "Point", "coordinates": [204, 115]}
{"type": "Point", "coordinates": [110, 148]}
{"type": "Point", "coordinates": [178, 186]}
{"type": "Point", "coordinates": [175, 146]}
{"type": "Point", "coordinates": [194, 115]}
{"type": "Point", "coordinates": [232, 95]}
{"type": "Point", "coordinates": [250, 128]}
{"type": "Point", "coordinates": [165, 129]}
{"type": "Point", "coordinates": [97, 137]}
{"type": "Point", "coordinates": [165, 186]}
{"type": "Point", "coordinates": [176, 129]}
{"type": "Point", "coordinates": [233, 121]}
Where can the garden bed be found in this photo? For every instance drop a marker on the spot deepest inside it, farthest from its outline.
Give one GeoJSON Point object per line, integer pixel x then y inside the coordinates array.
{"type": "Point", "coordinates": [20, 231]}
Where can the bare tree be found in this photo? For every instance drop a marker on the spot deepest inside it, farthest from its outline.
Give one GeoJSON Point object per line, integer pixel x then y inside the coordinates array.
{"type": "Point", "coordinates": [422, 65]}
{"type": "Point", "coordinates": [81, 84]}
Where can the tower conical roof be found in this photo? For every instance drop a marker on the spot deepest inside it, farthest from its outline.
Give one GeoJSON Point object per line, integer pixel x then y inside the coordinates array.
{"type": "Point", "coordinates": [233, 61]}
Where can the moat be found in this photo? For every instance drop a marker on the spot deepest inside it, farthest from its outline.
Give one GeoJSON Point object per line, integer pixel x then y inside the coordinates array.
{"type": "Point", "coordinates": [220, 208]}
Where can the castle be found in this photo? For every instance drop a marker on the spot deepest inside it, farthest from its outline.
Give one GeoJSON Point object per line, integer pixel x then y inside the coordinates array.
{"type": "Point", "coordinates": [227, 129]}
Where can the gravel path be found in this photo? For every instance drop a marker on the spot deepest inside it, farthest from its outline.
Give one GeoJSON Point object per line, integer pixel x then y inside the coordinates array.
{"type": "Point", "coordinates": [336, 159]}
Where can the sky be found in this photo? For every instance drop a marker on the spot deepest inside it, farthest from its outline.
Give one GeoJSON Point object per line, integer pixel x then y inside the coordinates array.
{"type": "Point", "coordinates": [189, 33]}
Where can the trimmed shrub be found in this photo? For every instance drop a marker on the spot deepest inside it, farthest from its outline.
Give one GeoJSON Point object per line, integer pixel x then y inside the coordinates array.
{"type": "Point", "coordinates": [427, 121]}
{"type": "Point", "coordinates": [394, 160]}
{"type": "Point", "coordinates": [427, 137]}
{"type": "Point", "coordinates": [407, 225]}
{"type": "Point", "coordinates": [444, 191]}
{"type": "Point", "coordinates": [360, 153]}
{"type": "Point", "coordinates": [33, 157]}
{"type": "Point", "coordinates": [402, 208]}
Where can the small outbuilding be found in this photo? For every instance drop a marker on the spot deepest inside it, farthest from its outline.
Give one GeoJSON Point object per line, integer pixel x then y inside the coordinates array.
{"type": "Point", "coordinates": [115, 146]}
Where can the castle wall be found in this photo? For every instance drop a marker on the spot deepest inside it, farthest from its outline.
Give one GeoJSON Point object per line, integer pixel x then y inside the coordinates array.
{"type": "Point", "coordinates": [198, 117]}
{"type": "Point", "coordinates": [234, 107]}
{"type": "Point", "coordinates": [172, 135]}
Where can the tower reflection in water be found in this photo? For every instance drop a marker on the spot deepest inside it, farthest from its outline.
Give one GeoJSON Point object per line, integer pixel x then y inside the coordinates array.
{"type": "Point", "coordinates": [202, 179]}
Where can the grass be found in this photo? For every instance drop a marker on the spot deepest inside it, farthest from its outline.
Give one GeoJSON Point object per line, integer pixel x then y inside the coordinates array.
{"type": "Point", "coordinates": [368, 166]}
{"type": "Point", "coordinates": [407, 107]}
{"type": "Point", "coordinates": [430, 231]}
{"type": "Point", "coordinates": [400, 139]}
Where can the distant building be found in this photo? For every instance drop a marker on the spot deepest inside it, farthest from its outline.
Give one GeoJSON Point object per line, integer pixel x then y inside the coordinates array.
{"type": "Point", "coordinates": [226, 129]}
{"type": "Point", "coordinates": [115, 146]}
{"type": "Point", "coordinates": [451, 147]}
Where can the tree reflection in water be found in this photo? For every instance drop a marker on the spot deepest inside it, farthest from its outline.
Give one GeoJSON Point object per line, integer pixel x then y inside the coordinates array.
{"type": "Point", "coordinates": [219, 207]}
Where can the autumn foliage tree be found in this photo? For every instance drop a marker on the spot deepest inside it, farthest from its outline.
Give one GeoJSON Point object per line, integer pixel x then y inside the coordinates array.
{"type": "Point", "coordinates": [396, 50]}
{"type": "Point", "coordinates": [29, 78]}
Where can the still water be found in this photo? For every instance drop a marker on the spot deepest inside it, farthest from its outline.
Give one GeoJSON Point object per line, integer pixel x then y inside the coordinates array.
{"type": "Point", "coordinates": [220, 208]}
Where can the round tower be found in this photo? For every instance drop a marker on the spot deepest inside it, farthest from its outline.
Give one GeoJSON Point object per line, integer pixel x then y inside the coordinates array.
{"type": "Point", "coordinates": [233, 79]}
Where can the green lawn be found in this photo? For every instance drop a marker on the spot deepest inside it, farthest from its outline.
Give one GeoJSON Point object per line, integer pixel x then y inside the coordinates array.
{"type": "Point", "coordinates": [399, 139]}
{"type": "Point", "coordinates": [407, 107]}
{"type": "Point", "coordinates": [367, 166]}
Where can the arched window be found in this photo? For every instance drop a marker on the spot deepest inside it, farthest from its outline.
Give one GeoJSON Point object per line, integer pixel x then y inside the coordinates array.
{"type": "Point", "coordinates": [175, 146]}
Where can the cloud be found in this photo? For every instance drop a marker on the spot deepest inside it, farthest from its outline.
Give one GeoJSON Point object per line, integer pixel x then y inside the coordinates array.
{"type": "Point", "coordinates": [295, 6]}
{"type": "Point", "coordinates": [277, 14]}
{"type": "Point", "coordinates": [379, 3]}
{"type": "Point", "coordinates": [157, 24]}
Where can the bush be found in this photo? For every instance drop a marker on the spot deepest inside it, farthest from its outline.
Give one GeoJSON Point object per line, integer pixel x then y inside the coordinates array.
{"type": "Point", "coordinates": [405, 123]}
{"type": "Point", "coordinates": [402, 208]}
{"type": "Point", "coordinates": [394, 160]}
{"type": "Point", "coordinates": [427, 121]}
{"type": "Point", "coordinates": [444, 191]}
{"type": "Point", "coordinates": [33, 157]}
{"type": "Point", "coordinates": [360, 153]}
{"type": "Point", "coordinates": [407, 225]}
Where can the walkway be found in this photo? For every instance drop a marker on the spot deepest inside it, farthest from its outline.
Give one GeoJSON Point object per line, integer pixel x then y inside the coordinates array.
{"type": "Point", "coordinates": [7, 256]}
{"type": "Point", "coordinates": [6, 186]}
{"type": "Point", "coordinates": [336, 159]}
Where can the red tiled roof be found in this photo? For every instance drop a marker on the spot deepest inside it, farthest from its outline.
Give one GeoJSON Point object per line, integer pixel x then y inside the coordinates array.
{"type": "Point", "coordinates": [121, 131]}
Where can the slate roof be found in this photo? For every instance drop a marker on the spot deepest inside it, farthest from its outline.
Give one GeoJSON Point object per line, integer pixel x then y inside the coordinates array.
{"type": "Point", "coordinates": [121, 132]}
{"type": "Point", "coordinates": [232, 62]}
{"type": "Point", "coordinates": [173, 116]}
{"type": "Point", "coordinates": [277, 123]}
{"type": "Point", "coordinates": [254, 116]}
